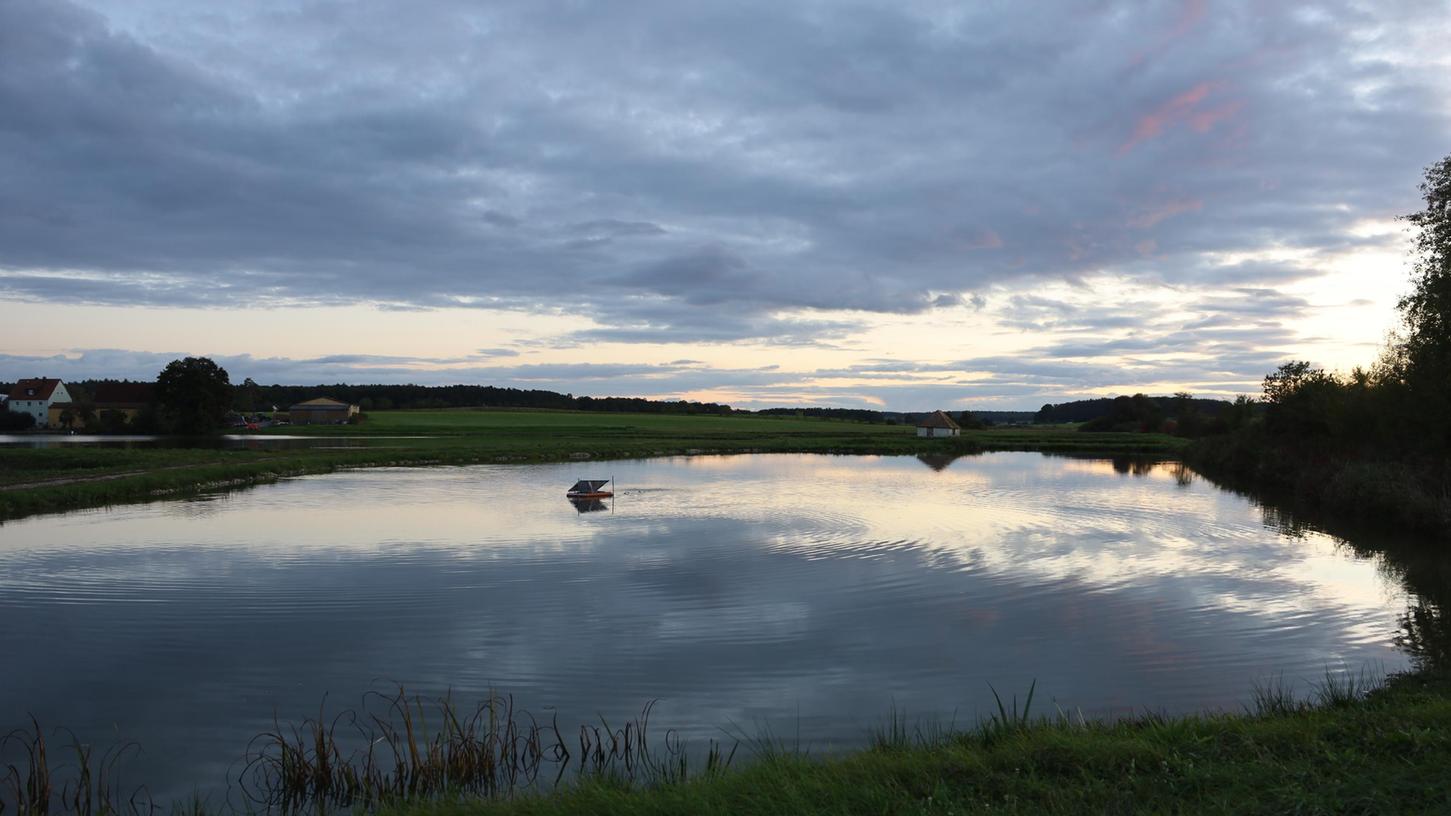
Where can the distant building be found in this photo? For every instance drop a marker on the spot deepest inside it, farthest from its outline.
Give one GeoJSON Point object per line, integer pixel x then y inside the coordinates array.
{"type": "Point", "coordinates": [35, 396]}
{"type": "Point", "coordinates": [938, 423]}
{"type": "Point", "coordinates": [125, 398]}
{"type": "Point", "coordinates": [321, 411]}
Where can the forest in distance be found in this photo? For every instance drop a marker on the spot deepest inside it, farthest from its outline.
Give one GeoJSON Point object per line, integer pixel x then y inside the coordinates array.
{"type": "Point", "coordinates": [249, 397]}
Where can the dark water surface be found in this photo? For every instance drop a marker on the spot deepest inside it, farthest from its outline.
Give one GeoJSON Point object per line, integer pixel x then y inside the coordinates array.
{"type": "Point", "coordinates": [806, 593]}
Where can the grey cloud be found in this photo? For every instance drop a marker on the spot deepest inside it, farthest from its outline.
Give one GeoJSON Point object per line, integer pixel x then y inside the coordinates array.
{"type": "Point", "coordinates": [318, 157]}
{"type": "Point", "coordinates": [1002, 382]}
{"type": "Point", "coordinates": [716, 172]}
{"type": "Point", "coordinates": [596, 379]}
{"type": "Point", "coordinates": [614, 227]}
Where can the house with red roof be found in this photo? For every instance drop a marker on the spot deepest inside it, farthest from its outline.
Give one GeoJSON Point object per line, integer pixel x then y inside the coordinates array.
{"type": "Point", "coordinates": [938, 423]}
{"type": "Point", "coordinates": [35, 396]}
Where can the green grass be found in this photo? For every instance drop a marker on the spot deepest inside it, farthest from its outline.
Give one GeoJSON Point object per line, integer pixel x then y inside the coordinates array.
{"type": "Point", "coordinates": [475, 421]}
{"type": "Point", "coordinates": [57, 479]}
{"type": "Point", "coordinates": [1358, 746]}
{"type": "Point", "coordinates": [1382, 753]}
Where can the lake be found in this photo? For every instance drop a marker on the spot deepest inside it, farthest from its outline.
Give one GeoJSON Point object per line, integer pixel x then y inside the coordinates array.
{"type": "Point", "coordinates": [807, 595]}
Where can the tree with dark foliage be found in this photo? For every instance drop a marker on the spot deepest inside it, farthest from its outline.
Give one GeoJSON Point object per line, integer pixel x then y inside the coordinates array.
{"type": "Point", "coordinates": [195, 394]}
{"type": "Point", "coordinates": [1138, 413]}
{"type": "Point", "coordinates": [1424, 354]}
{"type": "Point", "coordinates": [15, 420]}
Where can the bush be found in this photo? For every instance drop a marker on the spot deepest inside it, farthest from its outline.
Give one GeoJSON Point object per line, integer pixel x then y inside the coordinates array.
{"type": "Point", "coordinates": [15, 421]}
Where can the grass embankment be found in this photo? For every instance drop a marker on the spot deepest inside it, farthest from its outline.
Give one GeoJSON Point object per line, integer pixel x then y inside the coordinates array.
{"type": "Point", "coordinates": [1382, 753]}
{"type": "Point", "coordinates": [1403, 494]}
{"type": "Point", "coordinates": [1358, 747]}
{"type": "Point", "coordinates": [55, 479]}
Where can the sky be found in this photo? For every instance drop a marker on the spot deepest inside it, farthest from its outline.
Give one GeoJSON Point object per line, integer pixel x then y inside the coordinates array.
{"type": "Point", "coordinates": [902, 205]}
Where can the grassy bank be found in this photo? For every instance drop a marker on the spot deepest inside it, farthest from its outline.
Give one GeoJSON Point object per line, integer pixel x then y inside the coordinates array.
{"type": "Point", "coordinates": [1405, 494]}
{"type": "Point", "coordinates": [56, 479]}
{"type": "Point", "coordinates": [1352, 749]}
{"type": "Point", "coordinates": [1356, 747]}
{"type": "Point", "coordinates": [1380, 754]}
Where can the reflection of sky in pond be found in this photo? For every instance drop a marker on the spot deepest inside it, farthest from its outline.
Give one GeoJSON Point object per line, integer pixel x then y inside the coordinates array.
{"type": "Point", "coordinates": [808, 592]}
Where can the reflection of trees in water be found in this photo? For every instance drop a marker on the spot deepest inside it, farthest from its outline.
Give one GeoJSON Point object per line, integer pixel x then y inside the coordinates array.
{"type": "Point", "coordinates": [1425, 635]}
{"type": "Point", "coordinates": [1132, 465]}
{"type": "Point", "coordinates": [1280, 520]}
{"type": "Point", "coordinates": [1422, 567]}
{"type": "Point", "coordinates": [1419, 565]}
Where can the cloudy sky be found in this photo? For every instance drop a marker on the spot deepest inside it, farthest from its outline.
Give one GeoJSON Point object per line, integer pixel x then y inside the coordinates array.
{"type": "Point", "coordinates": [905, 204]}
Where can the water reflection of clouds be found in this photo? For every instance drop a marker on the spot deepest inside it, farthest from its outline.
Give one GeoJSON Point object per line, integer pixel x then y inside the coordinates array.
{"type": "Point", "coordinates": [732, 587]}
{"type": "Point", "coordinates": [1044, 518]}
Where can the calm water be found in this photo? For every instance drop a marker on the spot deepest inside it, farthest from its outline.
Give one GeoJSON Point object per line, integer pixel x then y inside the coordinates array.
{"type": "Point", "coordinates": [805, 593]}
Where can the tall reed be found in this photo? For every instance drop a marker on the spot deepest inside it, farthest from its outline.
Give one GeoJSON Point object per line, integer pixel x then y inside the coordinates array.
{"type": "Point", "coordinates": [400, 747]}
{"type": "Point", "coordinates": [34, 783]}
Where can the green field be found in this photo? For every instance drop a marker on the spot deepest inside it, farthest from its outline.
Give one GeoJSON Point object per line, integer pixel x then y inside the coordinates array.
{"type": "Point", "coordinates": [56, 479]}
{"type": "Point", "coordinates": [538, 431]}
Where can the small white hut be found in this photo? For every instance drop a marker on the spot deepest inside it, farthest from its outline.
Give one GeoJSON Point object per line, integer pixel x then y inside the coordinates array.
{"type": "Point", "coordinates": [938, 423]}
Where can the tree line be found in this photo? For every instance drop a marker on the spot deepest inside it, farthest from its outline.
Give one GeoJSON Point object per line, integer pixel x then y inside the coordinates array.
{"type": "Point", "coordinates": [1374, 443]}
{"type": "Point", "coordinates": [1399, 406]}
{"type": "Point", "coordinates": [1181, 413]}
{"type": "Point", "coordinates": [250, 397]}
{"type": "Point", "coordinates": [195, 395]}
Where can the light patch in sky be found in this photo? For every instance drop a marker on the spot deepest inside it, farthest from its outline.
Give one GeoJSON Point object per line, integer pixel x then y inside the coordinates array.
{"type": "Point", "coordinates": [895, 205]}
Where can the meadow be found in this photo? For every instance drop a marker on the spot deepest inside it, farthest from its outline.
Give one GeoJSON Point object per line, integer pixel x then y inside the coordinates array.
{"type": "Point", "coordinates": [41, 480]}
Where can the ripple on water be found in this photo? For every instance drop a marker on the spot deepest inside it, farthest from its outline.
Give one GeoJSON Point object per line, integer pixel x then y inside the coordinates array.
{"type": "Point", "coordinates": [795, 591]}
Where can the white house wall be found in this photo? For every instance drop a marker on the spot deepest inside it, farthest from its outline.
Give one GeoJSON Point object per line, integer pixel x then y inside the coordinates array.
{"type": "Point", "coordinates": [39, 409]}
{"type": "Point", "coordinates": [936, 432]}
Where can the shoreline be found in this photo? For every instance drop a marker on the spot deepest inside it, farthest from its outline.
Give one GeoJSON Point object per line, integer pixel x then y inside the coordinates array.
{"type": "Point", "coordinates": [67, 478]}
{"type": "Point", "coordinates": [1357, 745]}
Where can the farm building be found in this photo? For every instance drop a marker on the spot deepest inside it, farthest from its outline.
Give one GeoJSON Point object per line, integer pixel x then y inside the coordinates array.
{"type": "Point", "coordinates": [35, 396]}
{"type": "Point", "coordinates": [321, 411]}
{"type": "Point", "coordinates": [123, 398]}
{"type": "Point", "coordinates": [938, 423]}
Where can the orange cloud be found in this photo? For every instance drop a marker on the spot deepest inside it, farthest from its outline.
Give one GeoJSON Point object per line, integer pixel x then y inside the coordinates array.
{"type": "Point", "coordinates": [1179, 109]}
{"type": "Point", "coordinates": [1168, 209]}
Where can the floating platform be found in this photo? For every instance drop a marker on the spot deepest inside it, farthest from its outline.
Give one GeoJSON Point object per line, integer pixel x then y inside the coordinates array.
{"type": "Point", "coordinates": [589, 489]}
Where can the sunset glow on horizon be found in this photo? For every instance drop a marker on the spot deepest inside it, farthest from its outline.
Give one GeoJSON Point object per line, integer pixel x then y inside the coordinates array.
{"type": "Point", "coordinates": [901, 206]}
